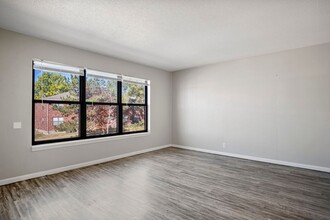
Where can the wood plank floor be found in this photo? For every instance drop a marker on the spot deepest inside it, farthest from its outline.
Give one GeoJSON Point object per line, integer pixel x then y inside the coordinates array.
{"type": "Point", "coordinates": [172, 184]}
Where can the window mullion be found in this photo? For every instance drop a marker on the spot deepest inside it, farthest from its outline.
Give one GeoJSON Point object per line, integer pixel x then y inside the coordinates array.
{"type": "Point", "coordinates": [33, 106]}
{"type": "Point", "coordinates": [83, 119]}
{"type": "Point", "coordinates": [120, 107]}
{"type": "Point", "coordinates": [146, 107]}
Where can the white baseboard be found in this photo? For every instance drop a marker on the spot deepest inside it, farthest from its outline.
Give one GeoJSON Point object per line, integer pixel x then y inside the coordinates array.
{"type": "Point", "coordinates": [76, 166]}
{"type": "Point", "coordinates": [103, 160]}
{"type": "Point", "coordinates": [279, 162]}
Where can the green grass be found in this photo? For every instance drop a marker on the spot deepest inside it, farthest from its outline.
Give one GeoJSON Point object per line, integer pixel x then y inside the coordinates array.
{"type": "Point", "coordinates": [134, 127]}
{"type": "Point", "coordinates": [40, 136]}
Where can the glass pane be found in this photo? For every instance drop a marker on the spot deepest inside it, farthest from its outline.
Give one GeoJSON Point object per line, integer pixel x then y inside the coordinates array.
{"type": "Point", "coordinates": [48, 124]}
{"type": "Point", "coordinates": [133, 118]}
{"type": "Point", "coordinates": [133, 93]}
{"type": "Point", "coordinates": [55, 86]}
{"type": "Point", "coordinates": [101, 120]}
{"type": "Point", "coordinates": [101, 90]}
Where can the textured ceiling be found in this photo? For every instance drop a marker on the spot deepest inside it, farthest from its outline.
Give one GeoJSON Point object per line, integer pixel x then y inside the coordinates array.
{"type": "Point", "coordinates": [173, 34]}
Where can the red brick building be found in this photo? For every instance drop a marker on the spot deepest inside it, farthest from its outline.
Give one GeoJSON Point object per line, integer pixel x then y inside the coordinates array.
{"type": "Point", "coordinates": [46, 117]}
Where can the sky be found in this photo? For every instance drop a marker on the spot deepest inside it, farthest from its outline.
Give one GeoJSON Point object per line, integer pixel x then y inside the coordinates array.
{"type": "Point", "coordinates": [38, 73]}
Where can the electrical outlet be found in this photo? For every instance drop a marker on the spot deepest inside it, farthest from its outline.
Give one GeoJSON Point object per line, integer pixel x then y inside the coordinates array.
{"type": "Point", "coordinates": [17, 125]}
{"type": "Point", "coordinates": [223, 145]}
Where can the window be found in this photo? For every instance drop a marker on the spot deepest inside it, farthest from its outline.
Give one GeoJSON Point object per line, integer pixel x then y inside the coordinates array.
{"type": "Point", "coordinates": [58, 121]}
{"type": "Point", "coordinates": [71, 103]}
{"type": "Point", "coordinates": [134, 105]}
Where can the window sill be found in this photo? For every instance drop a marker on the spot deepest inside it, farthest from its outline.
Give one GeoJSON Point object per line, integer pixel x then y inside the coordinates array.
{"type": "Point", "coordinates": [86, 141]}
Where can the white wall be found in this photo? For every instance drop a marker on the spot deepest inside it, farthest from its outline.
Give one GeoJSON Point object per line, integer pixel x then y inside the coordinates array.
{"type": "Point", "coordinates": [16, 54]}
{"type": "Point", "coordinates": [275, 106]}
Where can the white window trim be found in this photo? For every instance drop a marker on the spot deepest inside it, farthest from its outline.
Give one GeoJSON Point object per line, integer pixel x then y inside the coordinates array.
{"type": "Point", "coordinates": [86, 141]}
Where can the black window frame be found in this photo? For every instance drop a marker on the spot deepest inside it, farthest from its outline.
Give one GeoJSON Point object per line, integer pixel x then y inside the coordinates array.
{"type": "Point", "coordinates": [83, 108]}
{"type": "Point", "coordinates": [145, 105]}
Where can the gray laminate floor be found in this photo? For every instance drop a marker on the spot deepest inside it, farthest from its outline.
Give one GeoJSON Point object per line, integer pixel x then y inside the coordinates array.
{"type": "Point", "coordinates": [172, 184]}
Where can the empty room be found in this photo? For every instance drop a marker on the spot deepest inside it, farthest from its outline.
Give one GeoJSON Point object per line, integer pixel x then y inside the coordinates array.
{"type": "Point", "coordinates": [164, 109]}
